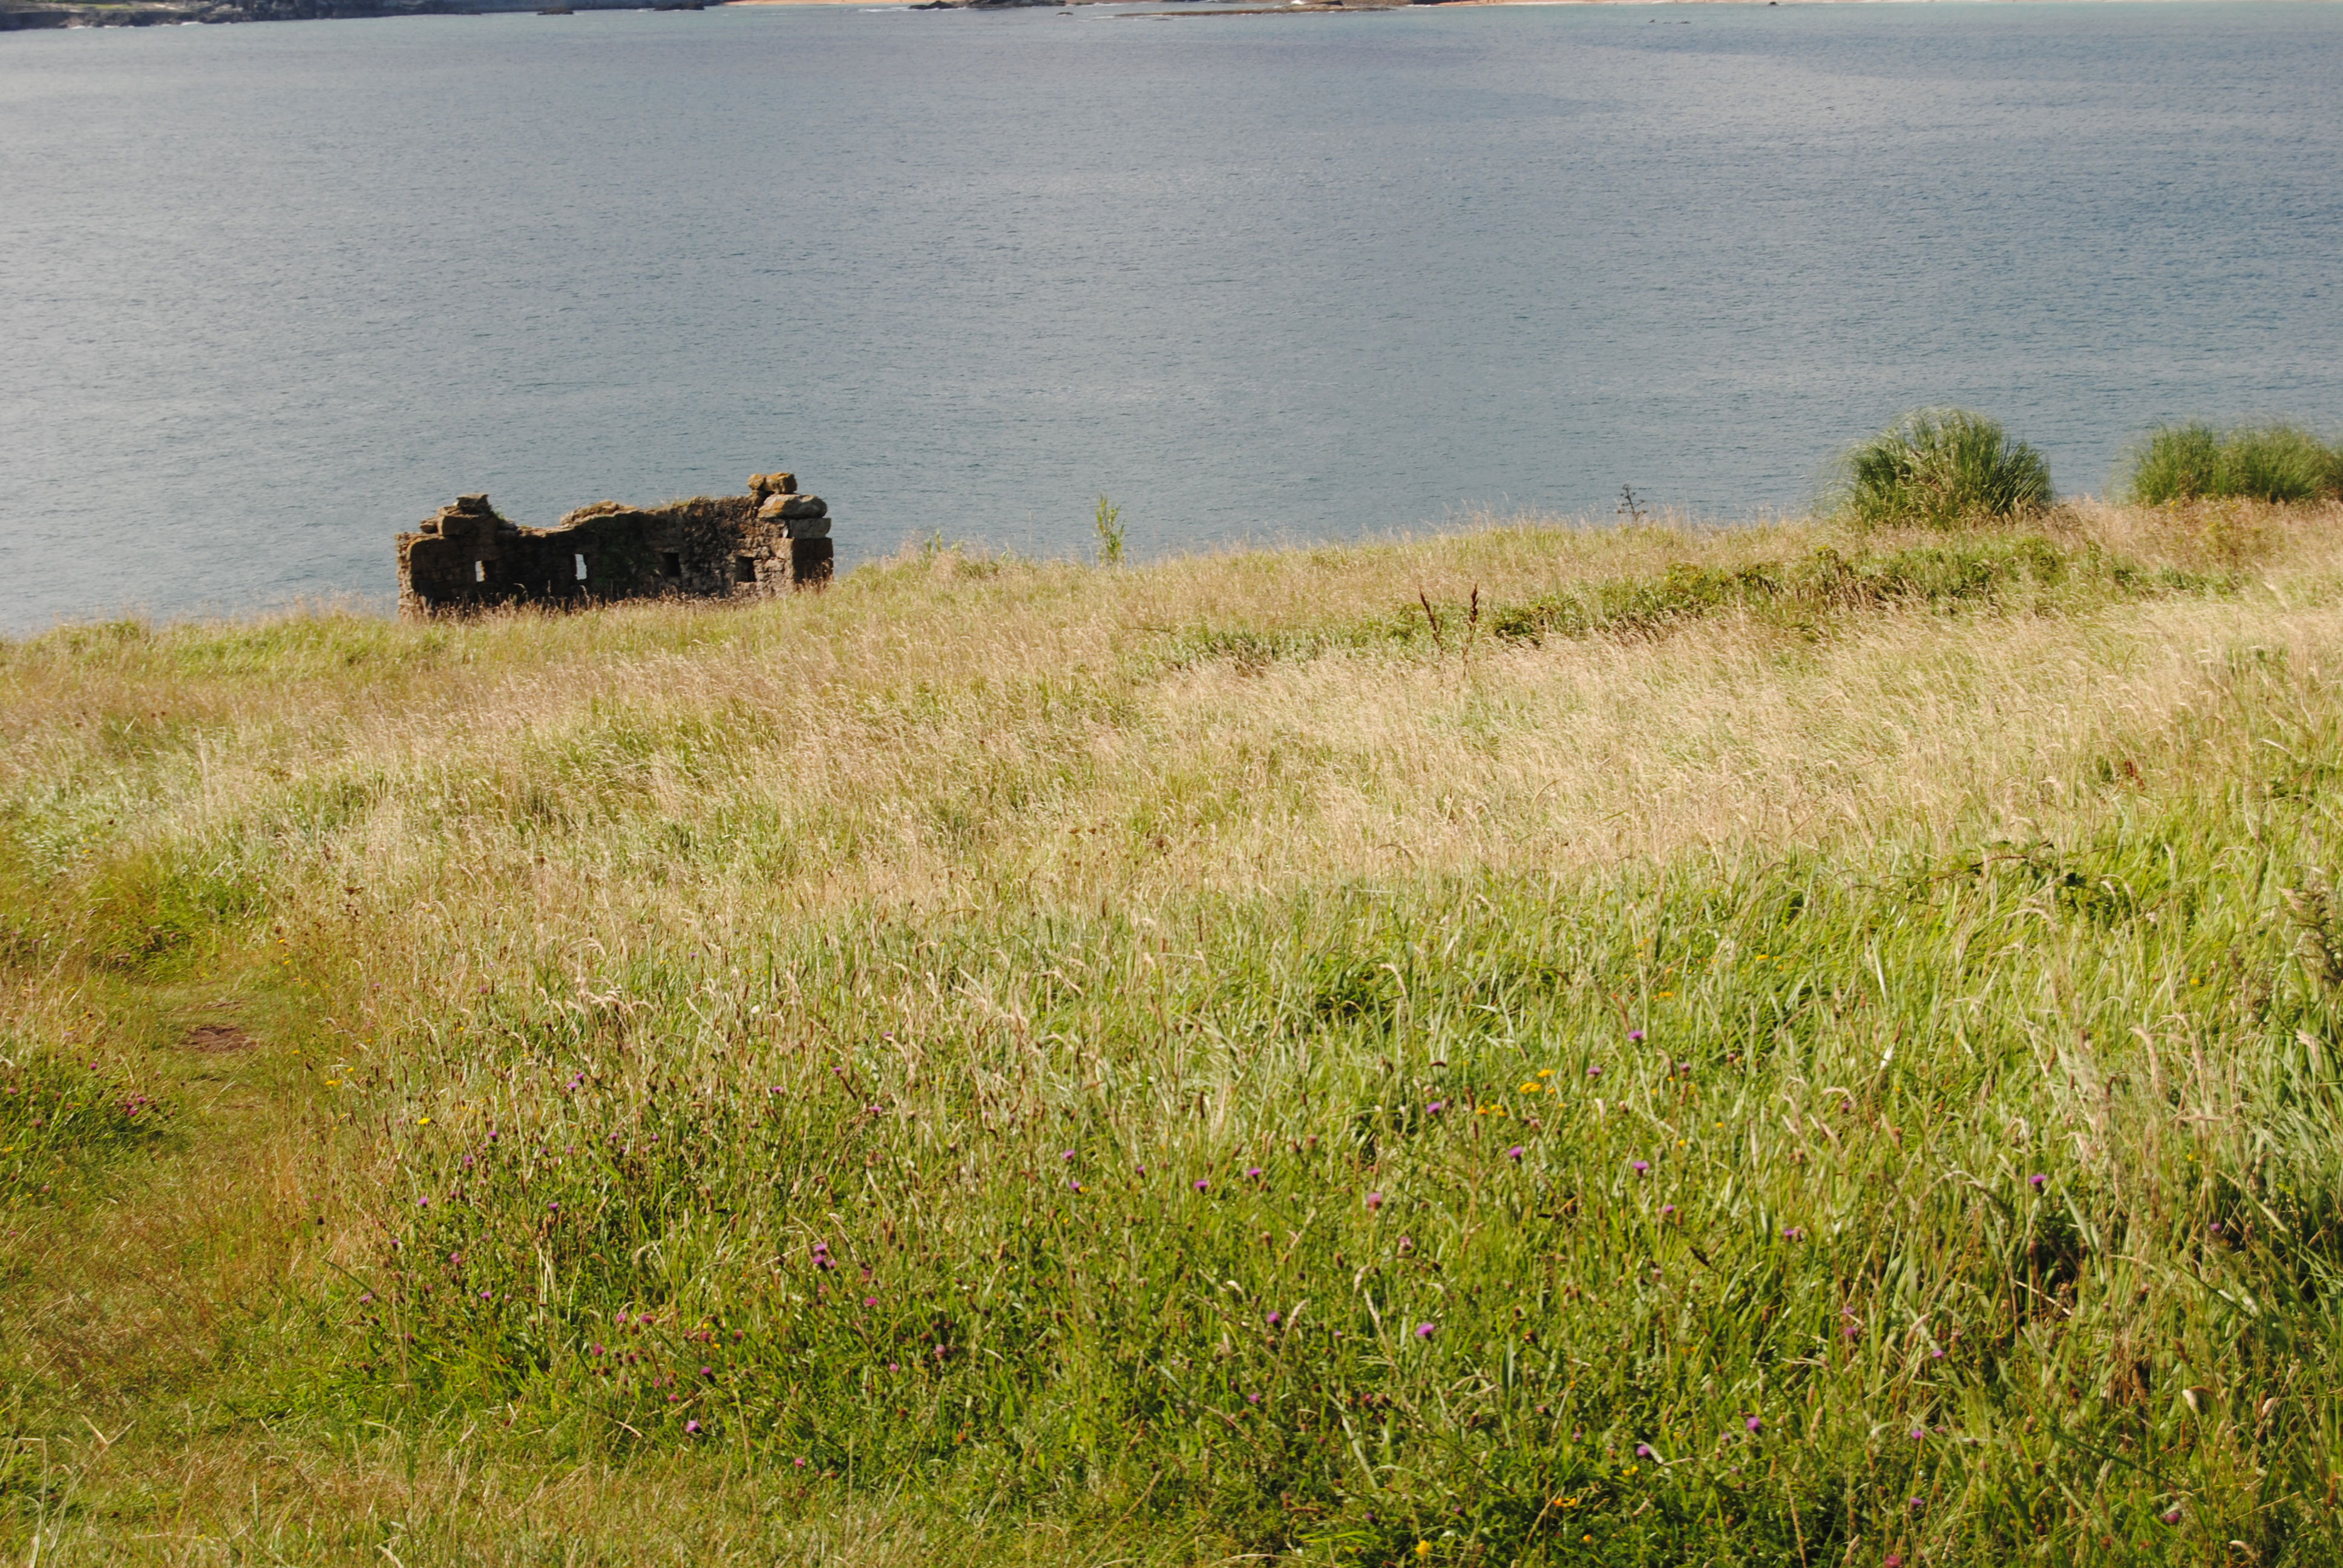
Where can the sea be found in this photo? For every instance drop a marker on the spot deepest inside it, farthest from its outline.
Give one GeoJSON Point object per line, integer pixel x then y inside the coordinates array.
{"type": "Point", "coordinates": [271, 293]}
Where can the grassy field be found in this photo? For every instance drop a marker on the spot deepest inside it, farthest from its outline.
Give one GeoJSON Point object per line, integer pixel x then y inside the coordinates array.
{"type": "Point", "coordinates": [1548, 1044]}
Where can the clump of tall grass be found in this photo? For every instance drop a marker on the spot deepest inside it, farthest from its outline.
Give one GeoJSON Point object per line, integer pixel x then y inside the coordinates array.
{"type": "Point", "coordinates": [2191, 462]}
{"type": "Point", "coordinates": [1942, 468]}
{"type": "Point", "coordinates": [1109, 524]}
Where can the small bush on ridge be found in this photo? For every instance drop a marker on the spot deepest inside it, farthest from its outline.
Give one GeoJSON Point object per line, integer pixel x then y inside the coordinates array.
{"type": "Point", "coordinates": [2262, 463]}
{"type": "Point", "coordinates": [1942, 468]}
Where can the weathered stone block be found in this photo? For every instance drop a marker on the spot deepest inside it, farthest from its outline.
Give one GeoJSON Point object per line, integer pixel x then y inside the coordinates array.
{"type": "Point", "coordinates": [781, 508]}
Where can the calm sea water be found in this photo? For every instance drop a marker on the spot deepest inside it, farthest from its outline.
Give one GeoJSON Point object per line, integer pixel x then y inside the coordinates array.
{"type": "Point", "coordinates": [269, 292]}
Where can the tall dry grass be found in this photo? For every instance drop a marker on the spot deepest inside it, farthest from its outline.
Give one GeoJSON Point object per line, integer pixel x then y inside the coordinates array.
{"type": "Point", "coordinates": [946, 719]}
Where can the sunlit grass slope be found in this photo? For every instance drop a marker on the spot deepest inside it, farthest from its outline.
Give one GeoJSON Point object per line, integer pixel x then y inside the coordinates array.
{"type": "Point", "coordinates": [1548, 1044]}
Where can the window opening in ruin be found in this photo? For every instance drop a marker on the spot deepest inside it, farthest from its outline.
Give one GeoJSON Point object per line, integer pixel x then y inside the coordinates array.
{"type": "Point", "coordinates": [479, 571]}
{"type": "Point", "coordinates": [671, 564]}
{"type": "Point", "coordinates": [744, 568]}
{"type": "Point", "coordinates": [581, 569]}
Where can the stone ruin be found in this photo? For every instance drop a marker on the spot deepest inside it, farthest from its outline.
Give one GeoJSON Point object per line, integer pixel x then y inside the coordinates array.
{"type": "Point", "coordinates": [769, 541]}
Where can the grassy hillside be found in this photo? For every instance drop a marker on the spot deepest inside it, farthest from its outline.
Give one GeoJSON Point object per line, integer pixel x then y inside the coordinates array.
{"type": "Point", "coordinates": [1548, 1044]}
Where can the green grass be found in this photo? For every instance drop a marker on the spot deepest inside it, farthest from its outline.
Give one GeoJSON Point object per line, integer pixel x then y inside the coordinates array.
{"type": "Point", "coordinates": [60, 1119]}
{"type": "Point", "coordinates": [1919, 1154]}
{"type": "Point", "coordinates": [2276, 462]}
{"type": "Point", "coordinates": [1046, 1282]}
{"type": "Point", "coordinates": [1942, 468]}
{"type": "Point", "coordinates": [1981, 572]}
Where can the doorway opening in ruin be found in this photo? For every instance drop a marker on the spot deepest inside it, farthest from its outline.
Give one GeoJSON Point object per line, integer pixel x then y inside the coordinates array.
{"type": "Point", "coordinates": [671, 564]}
{"type": "Point", "coordinates": [581, 569]}
{"type": "Point", "coordinates": [744, 568]}
{"type": "Point", "coordinates": [479, 571]}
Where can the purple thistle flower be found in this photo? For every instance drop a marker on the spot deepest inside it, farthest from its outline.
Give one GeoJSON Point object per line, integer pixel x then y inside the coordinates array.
{"type": "Point", "coordinates": [2036, 1181]}
{"type": "Point", "coordinates": [1203, 1185]}
{"type": "Point", "coordinates": [1754, 1423]}
{"type": "Point", "coordinates": [1643, 1451]}
{"type": "Point", "coordinates": [1794, 1234]}
{"type": "Point", "coordinates": [2172, 1516]}
{"type": "Point", "coordinates": [1375, 1200]}
{"type": "Point", "coordinates": [692, 1427]}
{"type": "Point", "coordinates": [1425, 1330]}
{"type": "Point", "coordinates": [1640, 1167]}
{"type": "Point", "coordinates": [1253, 1172]}
{"type": "Point", "coordinates": [870, 1301]}
{"type": "Point", "coordinates": [1070, 1154]}
{"type": "Point", "coordinates": [1275, 1319]}
{"type": "Point", "coordinates": [1594, 1072]}
{"type": "Point", "coordinates": [1636, 1035]}
{"type": "Point", "coordinates": [1514, 1154]}
{"type": "Point", "coordinates": [1666, 1210]}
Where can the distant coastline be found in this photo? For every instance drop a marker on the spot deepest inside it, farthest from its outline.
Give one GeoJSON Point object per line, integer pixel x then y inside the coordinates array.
{"type": "Point", "coordinates": [17, 15]}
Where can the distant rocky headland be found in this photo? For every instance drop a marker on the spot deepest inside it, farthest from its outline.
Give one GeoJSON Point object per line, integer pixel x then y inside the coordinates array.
{"type": "Point", "coordinates": [17, 15]}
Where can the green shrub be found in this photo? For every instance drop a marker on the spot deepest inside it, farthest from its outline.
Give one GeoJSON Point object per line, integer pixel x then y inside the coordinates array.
{"type": "Point", "coordinates": [2175, 463]}
{"type": "Point", "coordinates": [1942, 468]}
{"type": "Point", "coordinates": [2260, 463]}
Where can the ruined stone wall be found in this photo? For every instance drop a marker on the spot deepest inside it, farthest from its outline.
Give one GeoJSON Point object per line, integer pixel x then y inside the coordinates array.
{"type": "Point", "coordinates": [769, 541]}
